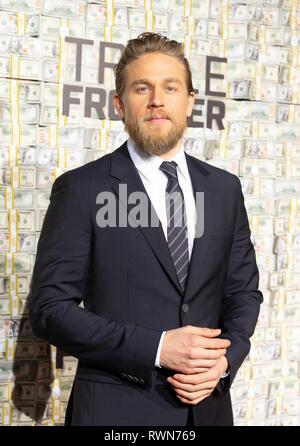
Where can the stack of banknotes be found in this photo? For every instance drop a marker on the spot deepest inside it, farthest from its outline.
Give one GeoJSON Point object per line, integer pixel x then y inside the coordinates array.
{"type": "Point", "coordinates": [260, 143]}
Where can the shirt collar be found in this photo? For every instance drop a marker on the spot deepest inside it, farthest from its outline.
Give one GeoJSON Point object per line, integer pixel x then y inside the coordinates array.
{"type": "Point", "coordinates": [149, 166]}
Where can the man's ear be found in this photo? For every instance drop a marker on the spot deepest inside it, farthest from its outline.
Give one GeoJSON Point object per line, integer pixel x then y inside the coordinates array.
{"type": "Point", "coordinates": [118, 105]}
{"type": "Point", "coordinates": [191, 103]}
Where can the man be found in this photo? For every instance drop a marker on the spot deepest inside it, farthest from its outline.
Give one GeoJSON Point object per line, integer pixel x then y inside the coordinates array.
{"type": "Point", "coordinates": [168, 308]}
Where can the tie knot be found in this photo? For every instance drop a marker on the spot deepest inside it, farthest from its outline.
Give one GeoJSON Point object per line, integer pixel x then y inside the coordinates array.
{"type": "Point", "coordinates": [169, 168]}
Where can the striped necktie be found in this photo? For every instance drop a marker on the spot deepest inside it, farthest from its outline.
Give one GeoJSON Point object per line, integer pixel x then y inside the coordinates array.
{"type": "Point", "coordinates": [177, 234]}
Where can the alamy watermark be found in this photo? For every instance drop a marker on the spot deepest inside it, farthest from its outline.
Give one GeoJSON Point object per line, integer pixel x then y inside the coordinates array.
{"type": "Point", "coordinates": [114, 212]}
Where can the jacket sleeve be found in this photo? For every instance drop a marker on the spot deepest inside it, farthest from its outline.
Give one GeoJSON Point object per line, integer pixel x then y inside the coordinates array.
{"type": "Point", "coordinates": [241, 297]}
{"type": "Point", "coordinates": [58, 285]}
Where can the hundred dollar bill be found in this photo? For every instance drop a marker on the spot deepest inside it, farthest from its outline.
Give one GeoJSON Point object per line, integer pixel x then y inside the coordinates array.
{"type": "Point", "coordinates": [292, 297]}
{"type": "Point", "coordinates": [24, 199]}
{"type": "Point", "coordinates": [239, 129]}
{"type": "Point", "coordinates": [24, 392]}
{"type": "Point", "coordinates": [26, 155]}
{"type": "Point", "coordinates": [288, 187]}
{"type": "Point", "coordinates": [51, 28]}
{"type": "Point", "coordinates": [274, 35]}
{"type": "Point", "coordinates": [291, 406]}
{"type": "Point", "coordinates": [42, 201]}
{"type": "Point", "coordinates": [5, 66]}
{"type": "Point", "coordinates": [49, 115]}
{"type": "Point", "coordinates": [5, 307]}
{"type": "Point", "coordinates": [288, 206]}
{"type": "Point", "coordinates": [4, 220]}
{"type": "Point", "coordinates": [261, 167]}
{"type": "Point", "coordinates": [50, 93]}
{"type": "Point", "coordinates": [29, 91]}
{"type": "Point", "coordinates": [260, 205]}
{"type": "Point", "coordinates": [287, 224]}
{"type": "Point", "coordinates": [50, 70]}
{"type": "Point", "coordinates": [238, 31]}
{"type": "Point", "coordinates": [254, 148]}
{"type": "Point", "coordinates": [160, 21]}
{"type": "Point", "coordinates": [275, 55]}
{"type": "Point", "coordinates": [258, 186]}
{"type": "Point", "coordinates": [65, 388]}
{"type": "Point", "coordinates": [136, 18]}
{"type": "Point", "coordinates": [45, 177]}
{"type": "Point", "coordinates": [178, 23]}
{"type": "Point", "coordinates": [261, 224]}
{"type": "Point", "coordinates": [231, 166]}
{"type": "Point", "coordinates": [27, 113]}
{"type": "Point", "coordinates": [73, 9]}
{"type": "Point", "coordinates": [47, 157]}
{"type": "Point", "coordinates": [4, 156]}
{"type": "Point", "coordinates": [29, 68]}
{"type": "Point", "coordinates": [5, 177]}
{"type": "Point", "coordinates": [24, 350]}
{"type": "Point", "coordinates": [238, 69]}
{"type": "Point", "coordinates": [21, 5]}
{"type": "Point", "coordinates": [42, 349]}
{"type": "Point", "coordinates": [23, 263]}
{"type": "Point", "coordinates": [22, 284]}
{"type": "Point", "coordinates": [97, 14]}
{"type": "Point", "coordinates": [69, 368]}
{"type": "Point", "coordinates": [242, 50]}
{"type": "Point", "coordinates": [10, 23]}
{"type": "Point", "coordinates": [74, 158]}
{"type": "Point", "coordinates": [26, 242]}
{"type": "Point", "coordinates": [43, 391]}
{"type": "Point", "coordinates": [288, 261]}
{"type": "Point", "coordinates": [4, 285]}
{"type": "Point", "coordinates": [44, 369]}
{"type": "Point", "coordinates": [240, 89]}
{"type": "Point", "coordinates": [97, 33]}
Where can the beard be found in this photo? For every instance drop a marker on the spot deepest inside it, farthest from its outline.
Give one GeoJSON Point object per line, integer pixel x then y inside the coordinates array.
{"type": "Point", "coordinates": [156, 139]}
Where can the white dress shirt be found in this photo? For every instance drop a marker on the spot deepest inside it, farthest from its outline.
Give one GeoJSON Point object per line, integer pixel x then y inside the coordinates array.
{"type": "Point", "coordinates": [155, 182]}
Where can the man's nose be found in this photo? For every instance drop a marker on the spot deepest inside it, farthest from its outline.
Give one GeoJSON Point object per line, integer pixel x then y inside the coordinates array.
{"type": "Point", "coordinates": [157, 97]}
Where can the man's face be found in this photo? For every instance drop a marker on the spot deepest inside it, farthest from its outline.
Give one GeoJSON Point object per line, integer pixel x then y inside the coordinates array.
{"type": "Point", "coordinates": [155, 104]}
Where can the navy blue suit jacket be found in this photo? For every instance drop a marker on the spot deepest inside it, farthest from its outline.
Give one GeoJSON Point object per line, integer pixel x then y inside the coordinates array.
{"type": "Point", "coordinates": [128, 284]}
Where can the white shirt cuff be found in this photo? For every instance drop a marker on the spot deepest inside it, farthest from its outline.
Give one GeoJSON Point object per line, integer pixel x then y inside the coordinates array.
{"type": "Point", "coordinates": [225, 374]}
{"type": "Point", "coordinates": [157, 363]}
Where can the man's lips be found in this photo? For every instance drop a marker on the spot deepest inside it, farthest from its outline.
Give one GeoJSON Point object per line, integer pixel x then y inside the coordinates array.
{"type": "Point", "coordinates": [157, 119]}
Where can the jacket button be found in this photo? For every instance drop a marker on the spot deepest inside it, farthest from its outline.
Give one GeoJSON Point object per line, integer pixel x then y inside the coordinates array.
{"type": "Point", "coordinates": [130, 377]}
{"type": "Point", "coordinates": [141, 381]}
{"type": "Point", "coordinates": [185, 308]}
{"type": "Point", "coordinates": [135, 379]}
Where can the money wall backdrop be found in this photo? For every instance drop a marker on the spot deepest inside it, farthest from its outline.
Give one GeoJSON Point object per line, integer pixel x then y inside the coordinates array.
{"type": "Point", "coordinates": [51, 121]}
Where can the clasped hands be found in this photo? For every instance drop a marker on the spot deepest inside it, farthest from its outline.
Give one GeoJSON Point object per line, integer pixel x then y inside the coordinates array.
{"type": "Point", "coordinates": [198, 358]}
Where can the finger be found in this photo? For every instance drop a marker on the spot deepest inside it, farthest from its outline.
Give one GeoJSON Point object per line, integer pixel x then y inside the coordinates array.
{"type": "Point", "coordinates": [206, 364]}
{"type": "Point", "coordinates": [197, 378]}
{"type": "Point", "coordinates": [202, 354]}
{"type": "Point", "coordinates": [185, 401]}
{"type": "Point", "coordinates": [191, 388]}
{"type": "Point", "coordinates": [206, 332]}
{"type": "Point", "coordinates": [212, 343]}
{"type": "Point", "coordinates": [192, 396]}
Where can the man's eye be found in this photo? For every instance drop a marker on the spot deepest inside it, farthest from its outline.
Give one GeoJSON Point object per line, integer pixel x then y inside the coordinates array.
{"type": "Point", "coordinates": [170, 88]}
{"type": "Point", "coordinates": [142, 89]}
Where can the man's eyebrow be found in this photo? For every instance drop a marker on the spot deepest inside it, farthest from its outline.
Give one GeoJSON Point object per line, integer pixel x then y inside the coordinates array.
{"type": "Point", "coordinates": [148, 82]}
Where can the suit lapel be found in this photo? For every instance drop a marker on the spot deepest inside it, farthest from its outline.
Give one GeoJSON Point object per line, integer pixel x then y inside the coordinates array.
{"type": "Point", "coordinates": [201, 183]}
{"type": "Point", "coordinates": [124, 170]}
